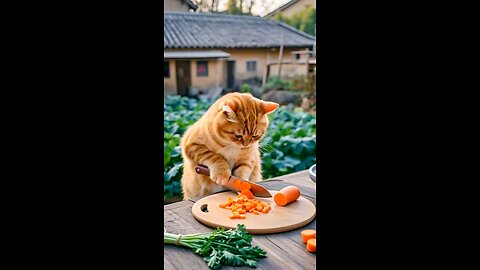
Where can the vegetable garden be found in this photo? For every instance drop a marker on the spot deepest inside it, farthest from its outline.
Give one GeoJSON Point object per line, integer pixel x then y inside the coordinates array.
{"type": "Point", "coordinates": [288, 146]}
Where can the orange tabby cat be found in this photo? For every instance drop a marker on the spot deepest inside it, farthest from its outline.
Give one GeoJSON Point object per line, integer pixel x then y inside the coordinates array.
{"type": "Point", "coordinates": [225, 139]}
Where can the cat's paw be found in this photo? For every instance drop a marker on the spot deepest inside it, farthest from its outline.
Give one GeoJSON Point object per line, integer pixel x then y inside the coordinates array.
{"type": "Point", "coordinates": [220, 177]}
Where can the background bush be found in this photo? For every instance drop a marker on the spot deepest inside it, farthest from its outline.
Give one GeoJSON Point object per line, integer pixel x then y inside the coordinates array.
{"type": "Point", "coordinates": [289, 144]}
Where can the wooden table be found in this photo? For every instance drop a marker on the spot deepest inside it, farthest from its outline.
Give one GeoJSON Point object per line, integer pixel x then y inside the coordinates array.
{"type": "Point", "coordinates": [284, 250]}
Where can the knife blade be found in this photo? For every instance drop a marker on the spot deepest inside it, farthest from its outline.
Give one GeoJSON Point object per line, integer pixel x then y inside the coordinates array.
{"type": "Point", "coordinates": [256, 189]}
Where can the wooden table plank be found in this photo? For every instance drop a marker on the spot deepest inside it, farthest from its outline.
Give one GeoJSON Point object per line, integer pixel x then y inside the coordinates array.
{"type": "Point", "coordinates": [301, 178]}
{"type": "Point", "coordinates": [284, 250]}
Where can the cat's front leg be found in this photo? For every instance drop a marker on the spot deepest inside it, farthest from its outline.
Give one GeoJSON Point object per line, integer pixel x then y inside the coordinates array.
{"type": "Point", "coordinates": [243, 169]}
{"type": "Point", "coordinates": [219, 169]}
{"type": "Point", "coordinates": [256, 175]}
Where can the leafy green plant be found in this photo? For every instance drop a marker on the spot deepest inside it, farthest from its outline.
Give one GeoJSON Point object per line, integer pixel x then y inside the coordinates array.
{"type": "Point", "coordinates": [275, 82]}
{"type": "Point", "coordinates": [178, 114]}
{"type": "Point", "coordinates": [288, 146]}
{"type": "Point", "coordinates": [221, 247]}
{"type": "Point", "coordinates": [246, 88]}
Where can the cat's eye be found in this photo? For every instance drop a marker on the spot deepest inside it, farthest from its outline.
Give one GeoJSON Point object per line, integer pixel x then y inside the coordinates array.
{"type": "Point", "coordinates": [238, 136]}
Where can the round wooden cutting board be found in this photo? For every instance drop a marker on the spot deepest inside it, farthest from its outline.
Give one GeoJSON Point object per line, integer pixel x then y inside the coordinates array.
{"type": "Point", "coordinates": [279, 219]}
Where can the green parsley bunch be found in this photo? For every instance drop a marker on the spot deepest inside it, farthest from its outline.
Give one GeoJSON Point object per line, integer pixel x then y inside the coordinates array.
{"type": "Point", "coordinates": [221, 247]}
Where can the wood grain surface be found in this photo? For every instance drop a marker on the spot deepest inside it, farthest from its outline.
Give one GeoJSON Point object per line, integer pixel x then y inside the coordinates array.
{"type": "Point", "coordinates": [278, 219]}
{"type": "Point", "coordinates": [284, 250]}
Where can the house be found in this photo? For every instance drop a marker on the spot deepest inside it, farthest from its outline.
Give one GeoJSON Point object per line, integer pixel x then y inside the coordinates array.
{"type": "Point", "coordinates": [179, 5]}
{"type": "Point", "coordinates": [292, 7]}
{"type": "Point", "coordinates": [205, 51]}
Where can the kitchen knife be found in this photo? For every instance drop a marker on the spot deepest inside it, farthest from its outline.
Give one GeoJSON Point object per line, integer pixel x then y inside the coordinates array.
{"type": "Point", "coordinates": [257, 190]}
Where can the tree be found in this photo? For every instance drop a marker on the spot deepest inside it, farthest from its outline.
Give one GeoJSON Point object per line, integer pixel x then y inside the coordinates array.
{"type": "Point", "coordinates": [207, 6]}
{"type": "Point", "coordinates": [305, 20]}
{"type": "Point", "coordinates": [242, 7]}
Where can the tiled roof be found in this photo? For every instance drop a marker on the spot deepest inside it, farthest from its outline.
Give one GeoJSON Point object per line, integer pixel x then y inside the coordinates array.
{"type": "Point", "coordinates": [200, 30]}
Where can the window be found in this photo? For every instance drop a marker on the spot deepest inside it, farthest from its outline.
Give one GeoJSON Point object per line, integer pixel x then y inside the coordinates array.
{"type": "Point", "coordinates": [166, 69]}
{"type": "Point", "coordinates": [252, 66]}
{"type": "Point", "coordinates": [297, 56]}
{"type": "Point", "coordinates": [202, 68]}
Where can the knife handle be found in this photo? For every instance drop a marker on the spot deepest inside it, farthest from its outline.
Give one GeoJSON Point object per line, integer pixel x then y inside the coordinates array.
{"type": "Point", "coordinates": [201, 169]}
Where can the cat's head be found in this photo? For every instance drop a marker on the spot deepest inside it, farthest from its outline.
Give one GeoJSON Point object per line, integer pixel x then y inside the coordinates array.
{"type": "Point", "coordinates": [241, 119]}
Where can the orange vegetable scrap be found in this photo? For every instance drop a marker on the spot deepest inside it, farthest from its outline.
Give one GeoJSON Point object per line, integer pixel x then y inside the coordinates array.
{"type": "Point", "coordinates": [310, 238]}
{"type": "Point", "coordinates": [308, 234]}
{"type": "Point", "coordinates": [245, 186]}
{"type": "Point", "coordinates": [312, 245]}
{"type": "Point", "coordinates": [245, 203]}
{"type": "Point", "coordinates": [287, 195]}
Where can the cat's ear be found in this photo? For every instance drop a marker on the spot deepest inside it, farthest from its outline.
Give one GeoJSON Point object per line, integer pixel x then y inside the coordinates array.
{"type": "Point", "coordinates": [231, 104]}
{"type": "Point", "coordinates": [228, 108]}
{"type": "Point", "coordinates": [269, 107]}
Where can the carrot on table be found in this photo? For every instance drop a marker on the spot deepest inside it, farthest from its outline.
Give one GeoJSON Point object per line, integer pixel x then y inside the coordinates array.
{"type": "Point", "coordinates": [287, 195]}
{"type": "Point", "coordinates": [312, 245]}
{"type": "Point", "coordinates": [308, 234]}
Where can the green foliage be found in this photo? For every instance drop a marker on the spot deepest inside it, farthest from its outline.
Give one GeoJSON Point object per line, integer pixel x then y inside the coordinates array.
{"type": "Point", "coordinates": [246, 88]}
{"type": "Point", "coordinates": [275, 82]}
{"type": "Point", "coordinates": [222, 247]}
{"type": "Point", "coordinates": [290, 142]}
{"type": "Point", "coordinates": [179, 113]}
{"type": "Point", "coordinates": [304, 21]}
{"type": "Point", "coordinates": [288, 146]}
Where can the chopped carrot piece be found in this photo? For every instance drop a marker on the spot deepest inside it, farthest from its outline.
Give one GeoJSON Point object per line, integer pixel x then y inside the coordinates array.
{"type": "Point", "coordinates": [245, 186]}
{"type": "Point", "coordinates": [237, 183]}
{"type": "Point", "coordinates": [312, 245]}
{"type": "Point", "coordinates": [255, 212]}
{"type": "Point", "coordinates": [308, 234]}
{"type": "Point", "coordinates": [266, 209]}
{"type": "Point", "coordinates": [259, 208]}
{"type": "Point", "coordinates": [247, 193]}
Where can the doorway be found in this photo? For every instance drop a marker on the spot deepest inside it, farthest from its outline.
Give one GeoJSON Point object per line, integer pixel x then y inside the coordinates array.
{"type": "Point", "coordinates": [230, 74]}
{"type": "Point", "coordinates": [184, 78]}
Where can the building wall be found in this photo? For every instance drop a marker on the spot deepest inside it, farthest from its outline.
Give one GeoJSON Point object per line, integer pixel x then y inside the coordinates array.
{"type": "Point", "coordinates": [261, 56]}
{"type": "Point", "coordinates": [170, 83]}
{"type": "Point", "coordinates": [217, 68]}
{"type": "Point", "coordinates": [175, 5]}
{"type": "Point", "coordinates": [214, 78]}
{"type": "Point", "coordinates": [289, 70]}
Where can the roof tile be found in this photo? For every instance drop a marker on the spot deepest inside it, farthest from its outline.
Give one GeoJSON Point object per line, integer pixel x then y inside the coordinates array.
{"type": "Point", "coordinates": [200, 30]}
